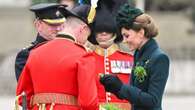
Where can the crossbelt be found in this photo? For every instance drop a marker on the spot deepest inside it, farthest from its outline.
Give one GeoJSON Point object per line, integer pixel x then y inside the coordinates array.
{"type": "Point", "coordinates": [57, 98]}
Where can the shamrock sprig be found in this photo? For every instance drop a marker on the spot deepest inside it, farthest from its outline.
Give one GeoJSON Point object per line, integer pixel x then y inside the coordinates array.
{"type": "Point", "coordinates": [109, 106]}
{"type": "Point", "coordinates": [140, 73]}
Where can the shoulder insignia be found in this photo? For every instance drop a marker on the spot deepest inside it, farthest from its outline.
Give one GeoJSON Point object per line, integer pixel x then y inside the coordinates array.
{"type": "Point", "coordinates": [29, 46]}
{"type": "Point", "coordinates": [89, 54]}
{"type": "Point", "coordinates": [125, 52]}
{"type": "Point", "coordinates": [32, 46]}
{"type": "Point", "coordinates": [85, 48]}
{"type": "Point", "coordinates": [124, 49]}
{"type": "Point", "coordinates": [89, 49]}
{"type": "Point", "coordinates": [89, 46]}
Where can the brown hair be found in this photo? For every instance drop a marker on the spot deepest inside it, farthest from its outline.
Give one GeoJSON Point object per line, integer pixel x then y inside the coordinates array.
{"type": "Point", "coordinates": [146, 22]}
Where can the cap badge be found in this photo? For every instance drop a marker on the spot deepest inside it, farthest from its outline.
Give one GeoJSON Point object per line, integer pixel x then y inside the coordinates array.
{"type": "Point", "coordinates": [57, 13]}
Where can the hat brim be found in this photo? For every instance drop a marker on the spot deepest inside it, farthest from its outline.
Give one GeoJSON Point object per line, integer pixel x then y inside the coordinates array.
{"type": "Point", "coordinates": [55, 21]}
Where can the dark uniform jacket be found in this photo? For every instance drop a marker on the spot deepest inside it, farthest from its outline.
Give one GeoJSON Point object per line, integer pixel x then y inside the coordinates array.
{"type": "Point", "coordinates": [22, 56]}
{"type": "Point", "coordinates": [147, 94]}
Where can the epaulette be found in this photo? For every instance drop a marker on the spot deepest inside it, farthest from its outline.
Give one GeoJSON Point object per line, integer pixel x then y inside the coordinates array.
{"type": "Point", "coordinates": [85, 48]}
{"type": "Point", "coordinates": [29, 47]}
{"type": "Point", "coordinates": [33, 45]}
{"type": "Point", "coordinates": [124, 50]}
{"type": "Point", "coordinates": [88, 54]}
{"type": "Point", "coordinates": [89, 46]}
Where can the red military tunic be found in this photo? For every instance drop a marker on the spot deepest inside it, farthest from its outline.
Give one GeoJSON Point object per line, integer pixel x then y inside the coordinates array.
{"type": "Point", "coordinates": [113, 61]}
{"type": "Point", "coordinates": [59, 71]}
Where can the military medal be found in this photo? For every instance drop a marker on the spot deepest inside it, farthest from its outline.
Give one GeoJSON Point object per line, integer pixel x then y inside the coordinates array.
{"type": "Point", "coordinates": [121, 66]}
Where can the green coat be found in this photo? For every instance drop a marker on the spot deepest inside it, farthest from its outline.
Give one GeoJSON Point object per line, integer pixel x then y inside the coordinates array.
{"type": "Point", "coordinates": [147, 94]}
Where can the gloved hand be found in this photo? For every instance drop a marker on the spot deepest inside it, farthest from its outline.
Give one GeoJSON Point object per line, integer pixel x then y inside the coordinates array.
{"type": "Point", "coordinates": [111, 83]}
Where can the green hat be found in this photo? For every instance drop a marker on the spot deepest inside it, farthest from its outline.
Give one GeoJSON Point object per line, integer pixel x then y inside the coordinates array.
{"type": "Point", "coordinates": [126, 15]}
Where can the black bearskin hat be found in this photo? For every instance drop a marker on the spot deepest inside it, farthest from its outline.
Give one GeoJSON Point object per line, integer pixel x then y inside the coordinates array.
{"type": "Point", "coordinates": [105, 20]}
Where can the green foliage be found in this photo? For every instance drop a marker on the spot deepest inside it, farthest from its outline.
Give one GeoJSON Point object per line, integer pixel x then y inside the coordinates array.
{"type": "Point", "coordinates": [140, 73]}
{"type": "Point", "coordinates": [109, 106]}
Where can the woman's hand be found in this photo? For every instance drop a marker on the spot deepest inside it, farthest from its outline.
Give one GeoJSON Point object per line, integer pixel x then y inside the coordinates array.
{"type": "Point", "coordinates": [111, 83]}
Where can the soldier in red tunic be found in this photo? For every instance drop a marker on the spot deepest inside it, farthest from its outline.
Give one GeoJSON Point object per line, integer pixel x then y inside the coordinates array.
{"type": "Point", "coordinates": [57, 75]}
{"type": "Point", "coordinates": [109, 57]}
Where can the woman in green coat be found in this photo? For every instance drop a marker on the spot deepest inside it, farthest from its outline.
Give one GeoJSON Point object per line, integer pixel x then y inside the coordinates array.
{"type": "Point", "coordinates": [151, 64]}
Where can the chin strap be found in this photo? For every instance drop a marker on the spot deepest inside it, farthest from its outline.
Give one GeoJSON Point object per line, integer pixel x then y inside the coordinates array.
{"type": "Point", "coordinates": [108, 42]}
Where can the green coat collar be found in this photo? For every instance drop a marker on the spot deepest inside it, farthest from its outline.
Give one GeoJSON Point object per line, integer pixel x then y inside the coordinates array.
{"type": "Point", "coordinates": [146, 50]}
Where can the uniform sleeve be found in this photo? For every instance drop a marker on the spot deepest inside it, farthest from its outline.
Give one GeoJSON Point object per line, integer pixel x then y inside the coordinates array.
{"type": "Point", "coordinates": [87, 83]}
{"type": "Point", "coordinates": [158, 78]}
{"type": "Point", "coordinates": [20, 61]}
{"type": "Point", "coordinates": [25, 84]}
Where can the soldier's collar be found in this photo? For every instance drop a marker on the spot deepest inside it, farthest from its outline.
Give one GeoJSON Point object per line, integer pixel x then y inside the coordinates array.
{"type": "Point", "coordinates": [39, 39]}
{"type": "Point", "coordinates": [109, 51]}
{"type": "Point", "coordinates": [67, 36]}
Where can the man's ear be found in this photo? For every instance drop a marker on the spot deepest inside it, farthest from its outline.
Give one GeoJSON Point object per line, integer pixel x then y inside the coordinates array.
{"type": "Point", "coordinates": [36, 23]}
{"type": "Point", "coordinates": [87, 29]}
{"type": "Point", "coordinates": [84, 28]}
